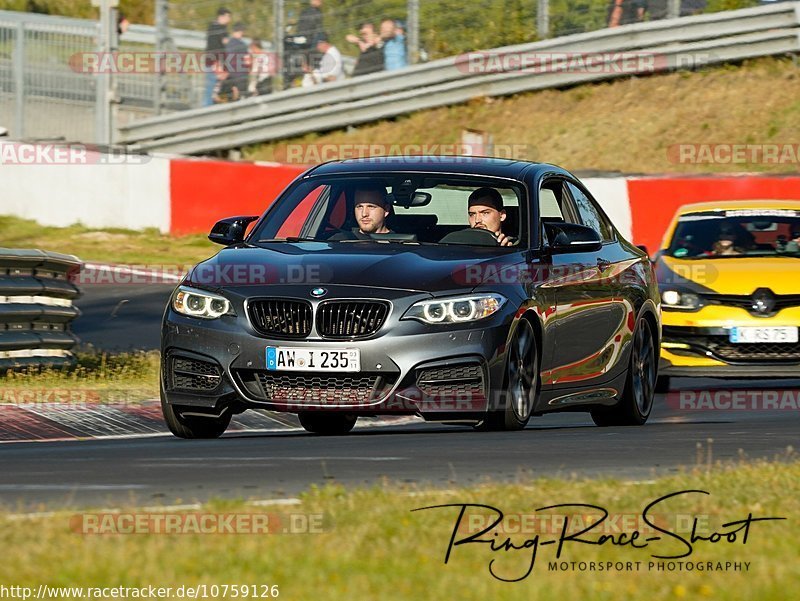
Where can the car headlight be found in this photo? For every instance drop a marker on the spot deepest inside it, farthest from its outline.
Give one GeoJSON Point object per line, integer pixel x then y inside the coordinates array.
{"type": "Point", "coordinates": [674, 299]}
{"type": "Point", "coordinates": [457, 309]}
{"type": "Point", "coordinates": [198, 303]}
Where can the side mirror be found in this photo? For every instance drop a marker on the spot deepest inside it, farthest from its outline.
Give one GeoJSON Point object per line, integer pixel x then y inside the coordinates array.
{"type": "Point", "coordinates": [231, 230]}
{"type": "Point", "coordinates": [572, 238]}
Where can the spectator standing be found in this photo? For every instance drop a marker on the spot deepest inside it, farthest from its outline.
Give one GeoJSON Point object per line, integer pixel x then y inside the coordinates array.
{"type": "Point", "coordinates": [216, 38]}
{"type": "Point", "coordinates": [330, 65]}
{"type": "Point", "coordinates": [309, 24]}
{"type": "Point", "coordinates": [261, 70]}
{"type": "Point", "coordinates": [625, 12]}
{"type": "Point", "coordinates": [238, 59]}
{"type": "Point", "coordinates": [122, 23]}
{"type": "Point", "coordinates": [394, 46]}
{"type": "Point", "coordinates": [371, 58]}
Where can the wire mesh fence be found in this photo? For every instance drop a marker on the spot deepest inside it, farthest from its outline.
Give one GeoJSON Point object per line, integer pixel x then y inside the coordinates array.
{"type": "Point", "coordinates": [39, 93]}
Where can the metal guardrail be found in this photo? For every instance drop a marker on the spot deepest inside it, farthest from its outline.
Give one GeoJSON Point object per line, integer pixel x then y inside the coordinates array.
{"type": "Point", "coordinates": [36, 310]}
{"type": "Point", "coordinates": [711, 38]}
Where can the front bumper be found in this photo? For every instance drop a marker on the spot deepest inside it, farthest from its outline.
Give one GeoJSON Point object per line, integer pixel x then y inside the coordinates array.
{"type": "Point", "coordinates": [412, 369]}
{"type": "Point", "coordinates": [697, 344]}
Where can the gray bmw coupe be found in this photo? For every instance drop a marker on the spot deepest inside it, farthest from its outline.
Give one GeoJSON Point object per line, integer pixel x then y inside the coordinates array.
{"type": "Point", "coordinates": [464, 290]}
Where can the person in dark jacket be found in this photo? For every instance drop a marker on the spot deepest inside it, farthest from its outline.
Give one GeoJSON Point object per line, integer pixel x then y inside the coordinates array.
{"type": "Point", "coordinates": [309, 24]}
{"type": "Point", "coordinates": [238, 59]}
{"type": "Point", "coordinates": [216, 38]}
{"type": "Point", "coordinates": [371, 58]}
{"type": "Point", "coordinates": [624, 12]}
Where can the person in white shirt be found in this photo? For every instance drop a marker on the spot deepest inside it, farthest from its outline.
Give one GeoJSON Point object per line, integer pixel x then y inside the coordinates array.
{"type": "Point", "coordinates": [330, 67]}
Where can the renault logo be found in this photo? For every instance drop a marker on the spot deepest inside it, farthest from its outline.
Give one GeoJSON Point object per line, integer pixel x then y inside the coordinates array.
{"type": "Point", "coordinates": [763, 301]}
{"type": "Point", "coordinates": [318, 292]}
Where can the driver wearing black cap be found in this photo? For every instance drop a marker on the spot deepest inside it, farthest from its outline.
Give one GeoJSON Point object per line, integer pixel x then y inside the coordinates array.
{"type": "Point", "coordinates": [486, 211]}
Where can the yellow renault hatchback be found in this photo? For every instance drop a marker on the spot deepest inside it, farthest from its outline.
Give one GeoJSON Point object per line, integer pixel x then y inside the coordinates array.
{"type": "Point", "coordinates": [729, 277]}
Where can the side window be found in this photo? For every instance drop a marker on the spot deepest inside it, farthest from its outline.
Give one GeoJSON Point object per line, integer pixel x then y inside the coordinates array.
{"type": "Point", "coordinates": [548, 205]}
{"type": "Point", "coordinates": [589, 214]}
{"type": "Point", "coordinates": [555, 204]}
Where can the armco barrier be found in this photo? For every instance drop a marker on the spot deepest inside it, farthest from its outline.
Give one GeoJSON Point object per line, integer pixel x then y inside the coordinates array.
{"type": "Point", "coordinates": [36, 294]}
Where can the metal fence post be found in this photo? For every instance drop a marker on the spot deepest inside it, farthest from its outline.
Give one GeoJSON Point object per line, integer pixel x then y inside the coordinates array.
{"type": "Point", "coordinates": [673, 9]}
{"type": "Point", "coordinates": [543, 19]}
{"type": "Point", "coordinates": [19, 81]}
{"type": "Point", "coordinates": [278, 46]}
{"type": "Point", "coordinates": [162, 43]}
{"type": "Point", "coordinates": [104, 98]}
{"type": "Point", "coordinates": [413, 31]}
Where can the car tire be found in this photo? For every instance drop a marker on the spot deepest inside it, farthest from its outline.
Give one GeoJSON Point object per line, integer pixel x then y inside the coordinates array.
{"type": "Point", "coordinates": [636, 403]}
{"type": "Point", "coordinates": [517, 398]}
{"type": "Point", "coordinates": [193, 427]}
{"type": "Point", "coordinates": [327, 424]}
{"type": "Point", "coordinates": [662, 384]}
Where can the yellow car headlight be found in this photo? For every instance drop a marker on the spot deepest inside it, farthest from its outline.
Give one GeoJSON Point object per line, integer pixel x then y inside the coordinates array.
{"type": "Point", "coordinates": [676, 299]}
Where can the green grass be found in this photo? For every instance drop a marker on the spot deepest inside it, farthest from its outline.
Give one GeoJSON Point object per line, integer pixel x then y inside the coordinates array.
{"type": "Point", "coordinates": [96, 377]}
{"type": "Point", "coordinates": [113, 245]}
{"type": "Point", "coordinates": [374, 547]}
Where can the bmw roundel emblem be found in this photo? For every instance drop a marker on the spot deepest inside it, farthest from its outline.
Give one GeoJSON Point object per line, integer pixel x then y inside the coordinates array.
{"type": "Point", "coordinates": [318, 292]}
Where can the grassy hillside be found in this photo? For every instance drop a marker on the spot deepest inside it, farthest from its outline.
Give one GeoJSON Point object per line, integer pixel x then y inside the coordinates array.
{"type": "Point", "coordinates": [624, 125]}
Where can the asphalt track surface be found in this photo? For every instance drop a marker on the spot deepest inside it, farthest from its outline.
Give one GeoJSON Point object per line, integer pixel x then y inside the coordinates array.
{"type": "Point", "coordinates": [163, 470]}
{"type": "Point", "coordinates": [122, 317]}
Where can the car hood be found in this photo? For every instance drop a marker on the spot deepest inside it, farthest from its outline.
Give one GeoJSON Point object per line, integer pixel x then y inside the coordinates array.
{"type": "Point", "coordinates": [376, 265]}
{"type": "Point", "coordinates": [737, 276]}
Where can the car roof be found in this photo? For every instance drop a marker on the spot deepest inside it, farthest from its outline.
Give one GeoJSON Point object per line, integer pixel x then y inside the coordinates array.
{"type": "Point", "coordinates": [467, 165]}
{"type": "Point", "coordinates": [723, 205]}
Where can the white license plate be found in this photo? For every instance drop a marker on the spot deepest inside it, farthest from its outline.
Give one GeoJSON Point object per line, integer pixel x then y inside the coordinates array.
{"type": "Point", "coordinates": [284, 358]}
{"type": "Point", "coordinates": [753, 334]}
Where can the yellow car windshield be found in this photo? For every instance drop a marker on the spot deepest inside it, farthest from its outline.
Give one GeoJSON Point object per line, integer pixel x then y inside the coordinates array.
{"type": "Point", "coordinates": [737, 233]}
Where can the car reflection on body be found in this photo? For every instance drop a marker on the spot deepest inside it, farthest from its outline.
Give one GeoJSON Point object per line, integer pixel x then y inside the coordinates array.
{"type": "Point", "coordinates": [306, 314]}
{"type": "Point", "coordinates": [731, 296]}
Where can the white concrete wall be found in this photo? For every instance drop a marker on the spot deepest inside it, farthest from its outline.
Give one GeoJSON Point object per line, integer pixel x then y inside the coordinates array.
{"type": "Point", "coordinates": [612, 194]}
{"type": "Point", "coordinates": [86, 188]}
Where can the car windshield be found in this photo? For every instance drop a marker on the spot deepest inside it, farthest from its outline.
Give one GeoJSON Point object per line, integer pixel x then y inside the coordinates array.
{"type": "Point", "coordinates": [401, 208]}
{"type": "Point", "coordinates": [737, 233]}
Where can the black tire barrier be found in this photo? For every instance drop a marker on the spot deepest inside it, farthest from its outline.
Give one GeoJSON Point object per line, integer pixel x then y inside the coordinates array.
{"type": "Point", "coordinates": [37, 291]}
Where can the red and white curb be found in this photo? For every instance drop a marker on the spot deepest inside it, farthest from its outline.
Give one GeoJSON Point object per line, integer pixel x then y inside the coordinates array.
{"type": "Point", "coordinates": [64, 422]}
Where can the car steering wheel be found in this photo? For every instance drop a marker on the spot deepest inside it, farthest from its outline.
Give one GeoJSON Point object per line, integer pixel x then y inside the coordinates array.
{"type": "Point", "coordinates": [471, 237]}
